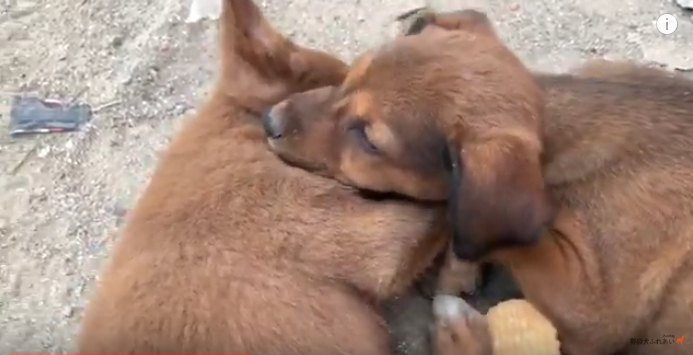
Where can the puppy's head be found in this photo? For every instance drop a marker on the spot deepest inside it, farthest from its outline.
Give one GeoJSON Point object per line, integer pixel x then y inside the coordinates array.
{"type": "Point", "coordinates": [443, 114]}
{"type": "Point", "coordinates": [259, 67]}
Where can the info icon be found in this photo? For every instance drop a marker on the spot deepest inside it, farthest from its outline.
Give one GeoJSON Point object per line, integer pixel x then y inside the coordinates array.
{"type": "Point", "coordinates": [666, 24]}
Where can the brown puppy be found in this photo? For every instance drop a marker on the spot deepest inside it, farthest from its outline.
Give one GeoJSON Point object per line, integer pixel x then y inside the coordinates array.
{"type": "Point", "coordinates": [581, 185]}
{"type": "Point", "coordinates": [229, 250]}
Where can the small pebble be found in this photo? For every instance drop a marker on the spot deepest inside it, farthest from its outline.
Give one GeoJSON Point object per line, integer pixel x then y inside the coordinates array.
{"type": "Point", "coordinates": [69, 311]}
{"type": "Point", "coordinates": [179, 109]}
{"type": "Point", "coordinates": [117, 42]}
{"type": "Point", "coordinates": [43, 152]}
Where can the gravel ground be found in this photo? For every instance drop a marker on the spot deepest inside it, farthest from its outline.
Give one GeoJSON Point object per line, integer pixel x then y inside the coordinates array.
{"type": "Point", "coordinates": [144, 69]}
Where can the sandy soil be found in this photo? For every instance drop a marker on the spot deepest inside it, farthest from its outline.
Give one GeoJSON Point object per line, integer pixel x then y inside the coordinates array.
{"type": "Point", "coordinates": [63, 196]}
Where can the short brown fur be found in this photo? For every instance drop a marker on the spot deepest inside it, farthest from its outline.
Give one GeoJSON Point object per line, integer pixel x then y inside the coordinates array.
{"type": "Point", "coordinates": [229, 250]}
{"type": "Point", "coordinates": [590, 173]}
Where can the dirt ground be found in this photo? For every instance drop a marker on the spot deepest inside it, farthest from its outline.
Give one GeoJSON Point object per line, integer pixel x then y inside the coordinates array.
{"type": "Point", "coordinates": [143, 69]}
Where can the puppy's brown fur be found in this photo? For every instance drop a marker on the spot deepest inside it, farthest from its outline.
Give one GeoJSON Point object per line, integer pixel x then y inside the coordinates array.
{"type": "Point", "coordinates": [582, 185]}
{"type": "Point", "coordinates": [231, 251]}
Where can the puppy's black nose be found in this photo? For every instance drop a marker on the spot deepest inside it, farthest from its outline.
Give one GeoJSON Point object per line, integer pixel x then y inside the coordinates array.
{"type": "Point", "coordinates": [274, 127]}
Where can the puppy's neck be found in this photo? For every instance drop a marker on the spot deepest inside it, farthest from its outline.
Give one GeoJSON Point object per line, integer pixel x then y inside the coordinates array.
{"type": "Point", "coordinates": [220, 121]}
{"type": "Point", "coordinates": [248, 88]}
{"type": "Point", "coordinates": [223, 111]}
{"type": "Point", "coordinates": [578, 138]}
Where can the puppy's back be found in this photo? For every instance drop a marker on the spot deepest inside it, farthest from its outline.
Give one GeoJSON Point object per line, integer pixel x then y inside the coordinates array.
{"type": "Point", "coordinates": [620, 142]}
{"type": "Point", "coordinates": [231, 250]}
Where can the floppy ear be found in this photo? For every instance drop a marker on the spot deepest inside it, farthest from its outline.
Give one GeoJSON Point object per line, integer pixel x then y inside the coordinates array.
{"type": "Point", "coordinates": [498, 196]}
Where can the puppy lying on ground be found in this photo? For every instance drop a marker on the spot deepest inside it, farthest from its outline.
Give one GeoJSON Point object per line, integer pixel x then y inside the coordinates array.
{"type": "Point", "coordinates": [581, 185]}
{"type": "Point", "coordinates": [229, 250]}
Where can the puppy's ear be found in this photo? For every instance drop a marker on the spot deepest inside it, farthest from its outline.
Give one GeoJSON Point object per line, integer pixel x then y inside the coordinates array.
{"type": "Point", "coordinates": [260, 67]}
{"type": "Point", "coordinates": [420, 19]}
{"type": "Point", "coordinates": [414, 21]}
{"type": "Point", "coordinates": [498, 196]}
{"type": "Point", "coordinates": [246, 35]}
{"type": "Point", "coordinates": [465, 20]}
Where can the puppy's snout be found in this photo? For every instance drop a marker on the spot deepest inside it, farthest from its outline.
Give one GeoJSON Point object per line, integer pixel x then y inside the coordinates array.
{"type": "Point", "coordinates": [273, 124]}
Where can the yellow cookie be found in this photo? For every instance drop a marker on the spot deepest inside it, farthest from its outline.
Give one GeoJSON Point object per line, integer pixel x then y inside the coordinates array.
{"type": "Point", "coordinates": [517, 328]}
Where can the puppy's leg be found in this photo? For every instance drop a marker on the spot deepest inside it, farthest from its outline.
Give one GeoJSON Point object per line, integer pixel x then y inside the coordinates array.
{"type": "Point", "coordinates": [670, 333]}
{"type": "Point", "coordinates": [417, 261]}
{"type": "Point", "coordinates": [457, 276]}
{"type": "Point", "coordinates": [459, 328]}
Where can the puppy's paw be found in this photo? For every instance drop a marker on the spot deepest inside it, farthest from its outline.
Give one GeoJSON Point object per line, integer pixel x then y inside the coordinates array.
{"type": "Point", "coordinates": [512, 327]}
{"type": "Point", "coordinates": [459, 328]}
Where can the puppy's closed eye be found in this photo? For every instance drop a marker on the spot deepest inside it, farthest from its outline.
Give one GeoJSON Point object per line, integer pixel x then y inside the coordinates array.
{"type": "Point", "coordinates": [358, 131]}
